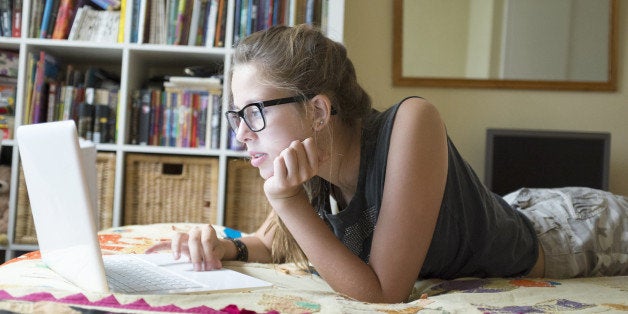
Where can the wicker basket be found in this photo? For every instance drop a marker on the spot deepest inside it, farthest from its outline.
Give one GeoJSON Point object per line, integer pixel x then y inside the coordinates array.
{"type": "Point", "coordinates": [247, 206]}
{"type": "Point", "coordinates": [161, 189]}
{"type": "Point", "coordinates": [105, 166]}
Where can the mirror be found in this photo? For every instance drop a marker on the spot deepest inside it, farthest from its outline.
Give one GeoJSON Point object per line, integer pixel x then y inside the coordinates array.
{"type": "Point", "coordinates": [532, 44]}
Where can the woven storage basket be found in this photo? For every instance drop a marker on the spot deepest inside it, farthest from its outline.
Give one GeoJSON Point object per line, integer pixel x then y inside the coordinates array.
{"type": "Point", "coordinates": [105, 167]}
{"type": "Point", "coordinates": [247, 206]}
{"type": "Point", "coordinates": [161, 189]}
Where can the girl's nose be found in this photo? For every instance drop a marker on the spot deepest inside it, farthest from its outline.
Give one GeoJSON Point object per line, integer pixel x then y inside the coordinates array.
{"type": "Point", "coordinates": [244, 134]}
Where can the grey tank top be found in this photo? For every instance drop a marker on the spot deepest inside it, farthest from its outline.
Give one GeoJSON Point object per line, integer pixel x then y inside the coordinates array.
{"type": "Point", "coordinates": [477, 233]}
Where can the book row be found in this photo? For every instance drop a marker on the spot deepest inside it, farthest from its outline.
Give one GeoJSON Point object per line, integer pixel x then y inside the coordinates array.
{"type": "Point", "coordinates": [57, 92]}
{"type": "Point", "coordinates": [93, 20]}
{"type": "Point", "coordinates": [184, 112]}
{"type": "Point", "coordinates": [166, 22]}
{"type": "Point", "coordinates": [176, 111]}
{"type": "Point", "coordinates": [10, 18]}
{"type": "Point", "coordinates": [203, 22]}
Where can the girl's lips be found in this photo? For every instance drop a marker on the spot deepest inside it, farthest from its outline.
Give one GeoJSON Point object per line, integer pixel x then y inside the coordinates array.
{"type": "Point", "coordinates": [257, 159]}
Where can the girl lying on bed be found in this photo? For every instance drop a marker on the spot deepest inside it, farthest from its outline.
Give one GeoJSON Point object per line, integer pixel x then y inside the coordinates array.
{"type": "Point", "coordinates": [376, 200]}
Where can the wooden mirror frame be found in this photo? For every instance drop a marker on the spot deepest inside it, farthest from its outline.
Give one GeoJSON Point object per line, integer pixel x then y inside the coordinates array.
{"type": "Point", "coordinates": [400, 80]}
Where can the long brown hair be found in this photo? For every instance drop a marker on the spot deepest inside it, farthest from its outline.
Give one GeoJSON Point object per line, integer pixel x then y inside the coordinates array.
{"type": "Point", "coordinates": [302, 60]}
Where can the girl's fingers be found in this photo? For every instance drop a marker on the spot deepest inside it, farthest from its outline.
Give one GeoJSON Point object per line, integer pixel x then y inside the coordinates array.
{"type": "Point", "coordinates": [279, 167]}
{"type": "Point", "coordinates": [295, 165]}
{"type": "Point", "coordinates": [163, 245]}
{"type": "Point", "coordinates": [291, 162]}
{"type": "Point", "coordinates": [195, 248]}
{"type": "Point", "coordinates": [176, 245]}
{"type": "Point", "coordinates": [209, 241]}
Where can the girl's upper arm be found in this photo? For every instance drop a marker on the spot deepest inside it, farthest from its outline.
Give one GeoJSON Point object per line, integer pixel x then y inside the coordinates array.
{"type": "Point", "coordinates": [416, 174]}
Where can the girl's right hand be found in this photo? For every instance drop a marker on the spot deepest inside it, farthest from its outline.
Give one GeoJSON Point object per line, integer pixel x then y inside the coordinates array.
{"type": "Point", "coordinates": [200, 244]}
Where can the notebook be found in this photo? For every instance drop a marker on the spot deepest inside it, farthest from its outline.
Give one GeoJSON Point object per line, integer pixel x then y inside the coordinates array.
{"type": "Point", "coordinates": [58, 173]}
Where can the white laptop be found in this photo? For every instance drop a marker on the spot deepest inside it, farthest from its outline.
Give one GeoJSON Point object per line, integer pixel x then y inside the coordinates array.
{"type": "Point", "coordinates": [57, 172]}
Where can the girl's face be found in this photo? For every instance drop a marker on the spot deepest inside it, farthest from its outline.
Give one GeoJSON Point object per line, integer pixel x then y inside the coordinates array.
{"type": "Point", "coordinates": [284, 123]}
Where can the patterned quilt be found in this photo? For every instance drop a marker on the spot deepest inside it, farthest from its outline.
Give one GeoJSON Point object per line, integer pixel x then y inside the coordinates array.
{"type": "Point", "coordinates": [28, 286]}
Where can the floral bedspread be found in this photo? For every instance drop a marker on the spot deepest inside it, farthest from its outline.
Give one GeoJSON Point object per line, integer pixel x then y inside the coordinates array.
{"type": "Point", "coordinates": [28, 286]}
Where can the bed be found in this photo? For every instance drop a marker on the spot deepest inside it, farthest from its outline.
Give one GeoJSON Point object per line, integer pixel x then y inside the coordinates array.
{"type": "Point", "coordinates": [27, 286]}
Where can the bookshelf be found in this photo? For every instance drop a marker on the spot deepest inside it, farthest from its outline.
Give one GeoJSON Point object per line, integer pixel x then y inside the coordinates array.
{"type": "Point", "coordinates": [135, 63]}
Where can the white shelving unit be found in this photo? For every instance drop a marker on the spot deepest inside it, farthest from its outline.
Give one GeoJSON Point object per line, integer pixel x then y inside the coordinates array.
{"type": "Point", "coordinates": [135, 63]}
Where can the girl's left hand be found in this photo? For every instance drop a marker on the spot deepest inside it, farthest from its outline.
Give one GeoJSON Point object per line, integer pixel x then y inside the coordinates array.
{"type": "Point", "coordinates": [294, 166]}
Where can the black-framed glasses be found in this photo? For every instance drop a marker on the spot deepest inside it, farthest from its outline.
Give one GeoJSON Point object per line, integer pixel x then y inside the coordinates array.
{"type": "Point", "coordinates": [253, 113]}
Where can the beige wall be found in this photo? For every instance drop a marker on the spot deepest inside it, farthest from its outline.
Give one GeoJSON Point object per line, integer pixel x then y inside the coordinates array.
{"type": "Point", "coordinates": [468, 112]}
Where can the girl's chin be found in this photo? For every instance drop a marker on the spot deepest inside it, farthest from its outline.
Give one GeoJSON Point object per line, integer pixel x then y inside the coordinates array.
{"type": "Point", "coordinates": [265, 173]}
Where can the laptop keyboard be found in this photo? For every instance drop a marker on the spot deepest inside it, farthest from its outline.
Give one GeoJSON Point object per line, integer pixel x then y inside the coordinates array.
{"type": "Point", "coordinates": [131, 275]}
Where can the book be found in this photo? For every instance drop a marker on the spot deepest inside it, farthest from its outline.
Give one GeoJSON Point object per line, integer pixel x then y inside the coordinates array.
{"type": "Point", "coordinates": [76, 23]}
{"type": "Point", "coordinates": [219, 40]}
{"type": "Point", "coordinates": [195, 20]}
{"type": "Point", "coordinates": [157, 30]}
{"type": "Point", "coordinates": [47, 69]}
{"type": "Point", "coordinates": [210, 31]}
{"type": "Point", "coordinates": [45, 19]}
{"type": "Point", "coordinates": [95, 25]}
{"type": "Point", "coordinates": [53, 102]}
{"type": "Point", "coordinates": [143, 130]}
{"type": "Point", "coordinates": [171, 20]}
{"type": "Point", "coordinates": [16, 18]}
{"type": "Point", "coordinates": [155, 117]}
{"type": "Point", "coordinates": [122, 26]}
{"type": "Point", "coordinates": [236, 20]}
{"type": "Point", "coordinates": [68, 96]}
{"type": "Point", "coordinates": [135, 16]}
{"type": "Point", "coordinates": [101, 123]}
{"type": "Point", "coordinates": [216, 115]}
{"type": "Point", "coordinates": [5, 18]}
{"type": "Point", "coordinates": [191, 82]}
{"type": "Point", "coordinates": [85, 121]}
{"type": "Point", "coordinates": [244, 22]}
{"type": "Point", "coordinates": [107, 4]}
{"type": "Point", "coordinates": [202, 23]}
{"type": "Point", "coordinates": [53, 18]}
{"type": "Point", "coordinates": [112, 126]}
{"type": "Point", "coordinates": [251, 16]}
{"type": "Point", "coordinates": [186, 23]}
{"type": "Point", "coordinates": [134, 110]}
{"type": "Point", "coordinates": [166, 126]}
{"type": "Point", "coordinates": [64, 19]}
{"type": "Point", "coordinates": [143, 21]}
{"type": "Point", "coordinates": [37, 8]}
{"type": "Point", "coordinates": [203, 114]}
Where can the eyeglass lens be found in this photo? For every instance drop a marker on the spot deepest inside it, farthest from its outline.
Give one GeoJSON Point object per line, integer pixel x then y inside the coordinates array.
{"type": "Point", "coordinates": [252, 116]}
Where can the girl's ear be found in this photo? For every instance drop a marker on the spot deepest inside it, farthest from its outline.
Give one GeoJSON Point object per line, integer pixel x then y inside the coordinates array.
{"type": "Point", "coordinates": [321, 111]}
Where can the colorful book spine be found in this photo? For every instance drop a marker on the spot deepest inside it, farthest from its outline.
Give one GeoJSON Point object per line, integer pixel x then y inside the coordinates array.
{"type": "Point", "coordinates": [180, 22]}
{"type": "Point", "coordinates": [215, 121]}
{"type": "Point", "coordinates": [53, 95]}
{"type": "Point", "coordinates": [107, 4]}
{"type": "Point", "coordinates": [210, 32]}
{"type": "Point", "coordinates": [202, 119]}
{"type": "Point", "coordinates": [45, 19]}
{"type": "Point", "coordinates": [122, 26]}
{"type": "Point", "coordinates": [194, 22]}
{"type": "Point", "coordinates": [64, 17]}
{"type": "Point", "coordinates": [5, 18]}
{"type": "Point", "coordinates": [45, 68]}
{"type": "Point", "coordinates": [16, 18]}
{"type": "Point", "coordinates": [221, 24]}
